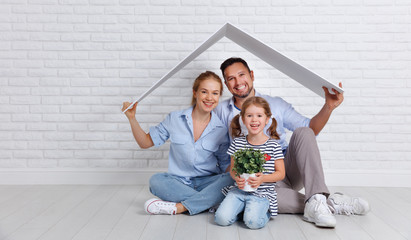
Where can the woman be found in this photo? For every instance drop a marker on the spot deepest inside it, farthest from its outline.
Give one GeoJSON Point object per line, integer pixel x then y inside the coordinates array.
{"type": "Point", "coordinates": [197, 161]}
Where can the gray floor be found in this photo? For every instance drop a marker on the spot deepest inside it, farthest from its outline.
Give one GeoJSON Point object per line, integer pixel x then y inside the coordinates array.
{"type": "Point", "coordinates": [115, 212]}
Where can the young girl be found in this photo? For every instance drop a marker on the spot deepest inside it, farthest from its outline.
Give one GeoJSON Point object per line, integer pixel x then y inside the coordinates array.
{"type": "Point", "coordinates": [260, 205]}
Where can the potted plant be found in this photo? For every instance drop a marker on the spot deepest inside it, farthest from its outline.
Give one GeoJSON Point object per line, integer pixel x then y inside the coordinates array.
{"type": "Point", "coordinates": [248, 162]}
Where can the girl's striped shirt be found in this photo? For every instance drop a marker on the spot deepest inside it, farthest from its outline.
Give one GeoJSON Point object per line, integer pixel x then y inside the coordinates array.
{"type": "Point", "coordinates": [272, 148]}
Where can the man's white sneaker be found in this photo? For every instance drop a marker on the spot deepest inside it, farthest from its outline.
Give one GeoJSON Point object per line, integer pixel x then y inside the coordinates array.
{"type": "Point", "coordinates": [157, 206]}
{"type": "Point", "coordinates": [344, 204]}
{"type": "Point", "coordinates": [316, 211]}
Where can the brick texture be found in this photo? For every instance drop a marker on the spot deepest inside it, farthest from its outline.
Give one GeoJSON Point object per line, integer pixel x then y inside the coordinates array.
{"type": "Point", "coordinates": [67, 66]}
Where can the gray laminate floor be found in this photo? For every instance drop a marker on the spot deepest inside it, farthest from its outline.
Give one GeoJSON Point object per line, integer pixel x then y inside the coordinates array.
{"type": "Point", "coordinates": [89, 212]}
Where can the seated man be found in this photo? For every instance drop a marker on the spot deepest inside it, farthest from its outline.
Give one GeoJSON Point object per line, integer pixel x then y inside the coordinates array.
{"type": "Point", "coordinates": [302, 157]}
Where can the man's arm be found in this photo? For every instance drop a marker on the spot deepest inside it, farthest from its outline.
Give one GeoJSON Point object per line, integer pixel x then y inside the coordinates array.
{"type": "Point", "coordinates": [332, 101]}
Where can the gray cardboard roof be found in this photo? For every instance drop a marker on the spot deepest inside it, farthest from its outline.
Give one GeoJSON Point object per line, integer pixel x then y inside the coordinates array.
{"type": "Point", "coordinates": [266, 53]}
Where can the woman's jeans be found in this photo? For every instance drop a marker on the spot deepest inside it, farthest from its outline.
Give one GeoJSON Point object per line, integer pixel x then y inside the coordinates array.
{"type": "Point", "coordinates": [201, 194]}
{"type": "Point", "coordinates": [256, 214]}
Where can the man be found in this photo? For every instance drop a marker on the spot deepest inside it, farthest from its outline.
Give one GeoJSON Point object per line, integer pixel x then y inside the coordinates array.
{"type": "Point", "coordinates": [302, 157]}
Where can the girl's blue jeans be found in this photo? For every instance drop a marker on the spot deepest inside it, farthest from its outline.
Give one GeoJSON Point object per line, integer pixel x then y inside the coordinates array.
{"type": "Point", "coordinates": [256, 209]}
{"type": "Point", "coordinates": [201, 194]}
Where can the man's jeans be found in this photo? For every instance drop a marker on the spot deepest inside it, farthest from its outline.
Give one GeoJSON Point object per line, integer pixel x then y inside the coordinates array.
{"type": "Point", "coordinates": [256, 214]}
{"type": "Point", "coordinates": [201, 194]}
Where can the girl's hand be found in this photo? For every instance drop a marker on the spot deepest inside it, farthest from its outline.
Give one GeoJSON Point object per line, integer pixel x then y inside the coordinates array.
{"type": "Point", "coordinates": [256, 181]}
{"type": "Point", "coordinates": [131, 113]}
{"type": "Point", "coordinates": [240, 182]}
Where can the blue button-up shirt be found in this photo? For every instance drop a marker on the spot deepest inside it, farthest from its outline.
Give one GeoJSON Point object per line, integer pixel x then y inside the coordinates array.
{"type": "Point", "coordinates": [207, 156]}
{"type": "Point", "coordinates": [283, 112]}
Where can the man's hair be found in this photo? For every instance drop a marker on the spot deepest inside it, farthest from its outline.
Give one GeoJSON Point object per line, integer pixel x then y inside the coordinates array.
{"type": "Point", "coordinates": [230, 62]}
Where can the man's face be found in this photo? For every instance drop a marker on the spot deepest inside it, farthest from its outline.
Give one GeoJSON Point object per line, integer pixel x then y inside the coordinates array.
{"type": "Point", "coordinates": [239, 80]}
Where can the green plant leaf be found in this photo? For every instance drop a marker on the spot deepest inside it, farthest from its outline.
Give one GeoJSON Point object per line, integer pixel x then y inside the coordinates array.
{"type": "Point", "coordinates": [248, 160]}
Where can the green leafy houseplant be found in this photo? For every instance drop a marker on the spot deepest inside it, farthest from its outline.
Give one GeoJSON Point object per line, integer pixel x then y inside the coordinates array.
{"type": "Point", "coordinates": [249, 161]}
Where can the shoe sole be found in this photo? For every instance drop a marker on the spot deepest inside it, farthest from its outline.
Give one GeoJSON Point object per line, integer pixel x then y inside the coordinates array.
{"type": "Point", "coordinates": [318, 224]}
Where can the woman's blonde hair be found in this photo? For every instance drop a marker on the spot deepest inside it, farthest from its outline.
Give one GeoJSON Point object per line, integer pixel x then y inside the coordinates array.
{"type": "Point", "coordinates": [258, 102]}
{"type": "Point", "coordinates": [202, 77]}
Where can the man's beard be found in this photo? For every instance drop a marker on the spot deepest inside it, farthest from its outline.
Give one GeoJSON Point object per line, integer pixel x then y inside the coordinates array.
{"type": "Point", "coordinates": [244, 95]}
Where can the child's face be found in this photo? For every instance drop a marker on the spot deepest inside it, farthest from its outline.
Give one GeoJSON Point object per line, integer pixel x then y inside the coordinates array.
{"type": "Point", "coordinates": [255, 119]}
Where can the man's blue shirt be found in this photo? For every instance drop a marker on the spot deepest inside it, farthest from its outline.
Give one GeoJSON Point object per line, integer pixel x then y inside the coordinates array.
{"type": "Point", "coordinates": [283, 112]}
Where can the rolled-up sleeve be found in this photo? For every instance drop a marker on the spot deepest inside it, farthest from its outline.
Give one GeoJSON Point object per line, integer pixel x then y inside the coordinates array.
{"type": "Point", "coordinates": [291, 118]}
{"type": "Point", "coordinates": [160, 133]}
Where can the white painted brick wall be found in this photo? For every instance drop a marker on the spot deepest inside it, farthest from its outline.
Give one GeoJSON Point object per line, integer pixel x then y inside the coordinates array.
{"type": "Point", "coordinates": [67, 66]}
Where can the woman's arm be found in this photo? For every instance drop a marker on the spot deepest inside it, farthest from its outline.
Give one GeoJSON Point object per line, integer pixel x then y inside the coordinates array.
{"type": "Point", "coordinates": [142, 138]}
{"type": "Point", "coordinates": [222, 156]}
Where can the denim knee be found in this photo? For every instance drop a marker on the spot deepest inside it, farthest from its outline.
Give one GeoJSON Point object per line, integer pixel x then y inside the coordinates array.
{"type": "Point", "coordinates": [256, 212]}
{"type": "Point", "coordinates": [255, 222]}
{"type": "Point", "coordinates": [156, 180]}
{"type": "Point", "coordinates": [224, 219]}
{"type": "Point", "coordinates": [227, 179]}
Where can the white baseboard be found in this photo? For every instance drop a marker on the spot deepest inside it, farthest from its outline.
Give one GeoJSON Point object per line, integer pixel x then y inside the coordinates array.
{"type": "Point", "coordinates": [368, 178]}
{"type": "Point", "coordinates": [361, 178]}
{"type": "Point", "coordinates": [97, 176]}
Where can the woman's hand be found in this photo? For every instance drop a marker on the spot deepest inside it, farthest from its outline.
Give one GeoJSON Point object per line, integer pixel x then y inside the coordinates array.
{"type": "Point", "coordinates": [131, 113]}
{"type": "Point", "coordinates": [142, 138]}
{"type": "Point", "coordinates": [240, 182]}
{"type": "Point", "coordinates": [256, 181]}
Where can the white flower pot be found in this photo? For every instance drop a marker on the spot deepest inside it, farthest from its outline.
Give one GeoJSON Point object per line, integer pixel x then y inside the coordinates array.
{"type": "Point", "coordinates": [247, 187]}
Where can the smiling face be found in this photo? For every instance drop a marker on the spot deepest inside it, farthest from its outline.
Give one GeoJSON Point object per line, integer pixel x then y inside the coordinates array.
{"type": "Point", "coordinates": [239, 80]}
{"type": "Point", "coordinates": [255, 119]}
{"type": "Point", "coordinates": [207, 95]}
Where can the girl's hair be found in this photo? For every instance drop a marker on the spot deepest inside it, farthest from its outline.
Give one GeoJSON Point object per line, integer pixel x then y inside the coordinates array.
{"type": "Point", "coordinates": [202, 77]}
{"type": "Point", "coordinates": [258, 102]}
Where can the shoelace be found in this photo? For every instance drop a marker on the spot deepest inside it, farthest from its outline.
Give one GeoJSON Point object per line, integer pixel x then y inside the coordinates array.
{"type": "Point", "coordinates": [343, 208]}
{"type": "Point", "coordinates": [165, 207]}
{"type": "Point", "coordinates": [324, 207]}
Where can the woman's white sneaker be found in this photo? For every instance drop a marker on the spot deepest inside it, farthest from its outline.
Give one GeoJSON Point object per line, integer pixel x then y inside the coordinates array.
{"type": "Point", "coordinates": [344, 204]}
{"type": "Point", "coordinates": [316, 211]}
{"type": "Point", "coordinates": [157, 206]}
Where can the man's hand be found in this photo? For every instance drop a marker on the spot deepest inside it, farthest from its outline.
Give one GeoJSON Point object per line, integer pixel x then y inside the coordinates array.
{"type": "Point", "coordinates": [332, 101]}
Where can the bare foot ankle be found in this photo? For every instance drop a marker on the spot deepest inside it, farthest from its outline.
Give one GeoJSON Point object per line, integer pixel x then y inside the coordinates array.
{"type": "Point", "coordinates": [180, 208]}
